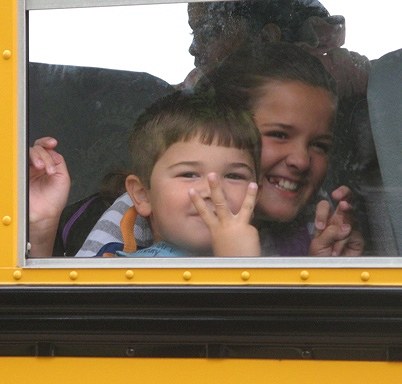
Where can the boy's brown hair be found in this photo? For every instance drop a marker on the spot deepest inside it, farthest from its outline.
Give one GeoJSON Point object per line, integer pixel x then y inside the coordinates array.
{"type": "Point", "coordinates": [183, 116]}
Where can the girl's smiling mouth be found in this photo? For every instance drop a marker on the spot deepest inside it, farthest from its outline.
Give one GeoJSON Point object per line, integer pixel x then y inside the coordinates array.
{"type": "Point", "coordinates": [284, 184]}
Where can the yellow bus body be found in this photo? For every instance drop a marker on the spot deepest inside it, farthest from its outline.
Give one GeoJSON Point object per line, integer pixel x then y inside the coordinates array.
{"type": "Point", "coordinates": [45, 370]}
{"type": "Point", "coordinates": [181, 371]}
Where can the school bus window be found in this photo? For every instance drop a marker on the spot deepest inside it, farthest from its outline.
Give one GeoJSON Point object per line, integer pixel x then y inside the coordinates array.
{"type": "Point", "coordinates": [323, 190]}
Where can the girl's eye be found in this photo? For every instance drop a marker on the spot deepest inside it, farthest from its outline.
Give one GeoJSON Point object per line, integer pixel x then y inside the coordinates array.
{"type": "Point", "coordinates": [323, 147]}
{"type": "Point", "coordinates": [276, 134]}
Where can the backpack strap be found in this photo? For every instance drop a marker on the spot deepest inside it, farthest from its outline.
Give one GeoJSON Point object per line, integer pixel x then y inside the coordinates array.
{"type": "Point", "coordinates": [76, 215]}
{"type": "Point", "coordinates": [127, 230]}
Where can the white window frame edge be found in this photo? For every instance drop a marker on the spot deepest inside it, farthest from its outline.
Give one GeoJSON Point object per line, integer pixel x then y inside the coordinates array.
{"type": "Point", "coordinates": [21, 149]}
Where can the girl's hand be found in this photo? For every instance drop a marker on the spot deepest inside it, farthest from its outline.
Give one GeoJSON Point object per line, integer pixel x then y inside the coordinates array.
{"type": "Point", "coordinates": [232, 234]}
{"type": "Point", "coordinates": [335, 234]}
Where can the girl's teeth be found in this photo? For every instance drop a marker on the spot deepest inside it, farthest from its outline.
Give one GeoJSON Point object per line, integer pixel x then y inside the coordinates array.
{"type": "Point", "coordinates": [284, 184]}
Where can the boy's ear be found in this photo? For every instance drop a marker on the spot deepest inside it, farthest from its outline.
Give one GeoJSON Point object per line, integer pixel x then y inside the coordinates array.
{"type": "Point", "coordinates": [139, 195]}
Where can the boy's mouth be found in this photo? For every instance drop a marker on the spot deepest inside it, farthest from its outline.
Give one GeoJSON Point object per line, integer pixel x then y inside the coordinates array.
{"type": "Point", "coordinates": [284, 184]}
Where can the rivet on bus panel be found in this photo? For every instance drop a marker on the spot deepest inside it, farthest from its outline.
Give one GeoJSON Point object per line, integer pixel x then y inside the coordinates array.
{"type": "Point", "coordinates": [187, 275]}
{"type": "Point", "coordinates": [129, 274]}
{"type": "Point", "coordinates": [73, 275]}
{"type": "Point", "coordinates": [304, 275]}
{"type": "Point", "coordinates": [245, 275]}
{"type": "Point", "coordinates": [365, 276]}
{"type": "Point", "coordinates": [6, 54]}
{"type": "Point", "coordinates": [17, 275]}
{"type": "Point", "coordinates": [6, 220]}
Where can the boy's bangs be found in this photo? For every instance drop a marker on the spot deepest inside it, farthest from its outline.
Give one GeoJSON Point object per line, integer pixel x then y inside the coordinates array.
{"type": "Point", "coordinates": [223, 134]}
{"type": "Point", "coordinates": [230, 135]}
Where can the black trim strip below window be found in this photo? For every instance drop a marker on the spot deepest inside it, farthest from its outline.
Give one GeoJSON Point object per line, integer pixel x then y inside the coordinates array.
{"type": "Point", "coordinates": [320, 323]}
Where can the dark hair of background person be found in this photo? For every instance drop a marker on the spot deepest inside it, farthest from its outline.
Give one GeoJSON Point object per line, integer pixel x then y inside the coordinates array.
{"type": "Point", "coordinates": [224, 25]}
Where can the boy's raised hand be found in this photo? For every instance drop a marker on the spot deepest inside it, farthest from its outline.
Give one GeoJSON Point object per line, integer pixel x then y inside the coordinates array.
{"type": "Point", "coordinates": [49, 185]}
{"type": "Point", "coordinates": [335, 234]}
{"type": "Point", "coordinates": [232, 234]}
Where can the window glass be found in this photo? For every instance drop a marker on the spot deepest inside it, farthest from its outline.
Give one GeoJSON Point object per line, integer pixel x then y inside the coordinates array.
{"type": "Point", "coordinates": [93, 71]}
{"type": "Point", "coordinates": [134, 38]}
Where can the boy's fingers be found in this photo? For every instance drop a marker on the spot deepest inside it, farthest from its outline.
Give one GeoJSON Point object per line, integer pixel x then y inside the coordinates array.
{"type": "Point", "coordinates": [217, 196]}
{"type": "Point", "coordinates": [247, 208]}
{"type": "Point", "coordinates": [201, 207]}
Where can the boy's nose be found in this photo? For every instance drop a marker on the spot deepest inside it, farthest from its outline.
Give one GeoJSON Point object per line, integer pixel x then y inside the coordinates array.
{"type": "Point", "coordinates": [203, 188]}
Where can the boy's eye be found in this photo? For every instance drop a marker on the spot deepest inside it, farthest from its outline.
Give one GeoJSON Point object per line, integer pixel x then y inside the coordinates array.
{"type": "Point", "coordinates": [188, 175]}
{"type": "Point", "coordinates": [235, 176]}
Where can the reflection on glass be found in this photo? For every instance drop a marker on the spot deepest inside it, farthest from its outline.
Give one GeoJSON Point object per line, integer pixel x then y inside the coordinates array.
{"type": "Point", "coordinates": [90, 109]}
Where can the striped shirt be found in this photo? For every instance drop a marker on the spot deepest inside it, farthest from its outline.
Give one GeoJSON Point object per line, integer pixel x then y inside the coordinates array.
{"type": "Point", "coordinates": [107, 229]}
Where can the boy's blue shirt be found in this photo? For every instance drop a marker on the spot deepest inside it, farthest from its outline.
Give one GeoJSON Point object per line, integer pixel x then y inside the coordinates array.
{"type": "Point", "coordinates": [161, 249]}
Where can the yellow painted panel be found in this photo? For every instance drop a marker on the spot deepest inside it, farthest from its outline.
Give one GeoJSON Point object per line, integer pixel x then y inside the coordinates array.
{"type": "Point", "coordinates": [204, 276]}
{"type": "Point", "coordinates": [8, 126]}
{"type": "Point", "coordinates": [194, 371]}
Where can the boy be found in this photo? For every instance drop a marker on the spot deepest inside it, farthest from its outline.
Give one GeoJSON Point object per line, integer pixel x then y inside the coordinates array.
{"type": "Point", "coordinates": [195, 172]}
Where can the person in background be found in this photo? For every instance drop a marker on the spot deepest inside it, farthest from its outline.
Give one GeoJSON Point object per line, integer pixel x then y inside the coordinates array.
{"type": "Point", "coordinates": [219, 28]}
